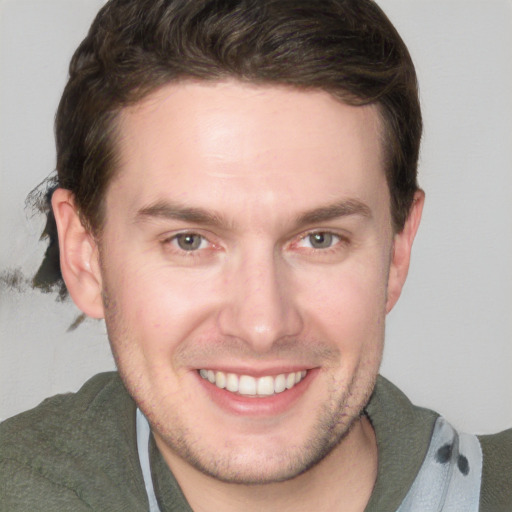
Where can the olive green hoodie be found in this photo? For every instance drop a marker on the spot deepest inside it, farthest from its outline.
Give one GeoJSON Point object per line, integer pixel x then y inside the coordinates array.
{"type": "Point", "coordinates": [78, 452]}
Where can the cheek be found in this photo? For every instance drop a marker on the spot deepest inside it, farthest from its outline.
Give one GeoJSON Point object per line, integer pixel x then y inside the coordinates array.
{"type": "Point", "coordinates": [160, 305]}
{"type": "Point", "coordinates": [348, 304]}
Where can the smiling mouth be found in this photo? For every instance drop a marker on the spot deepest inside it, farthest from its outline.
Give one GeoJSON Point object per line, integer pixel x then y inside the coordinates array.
{"type": "Point", "coordinates": [247, 385]}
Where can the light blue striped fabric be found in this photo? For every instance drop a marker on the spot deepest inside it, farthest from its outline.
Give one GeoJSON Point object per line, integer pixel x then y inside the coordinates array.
{"type": "Point", "coordinates": [450, 477]}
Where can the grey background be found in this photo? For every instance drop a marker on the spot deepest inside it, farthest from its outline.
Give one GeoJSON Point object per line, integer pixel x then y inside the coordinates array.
{"type": "Point", "coordinates": [449, 340]}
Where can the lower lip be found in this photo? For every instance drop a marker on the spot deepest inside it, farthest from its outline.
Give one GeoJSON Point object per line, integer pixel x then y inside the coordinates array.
{"type": "Point", "coordinates": [257, 406]}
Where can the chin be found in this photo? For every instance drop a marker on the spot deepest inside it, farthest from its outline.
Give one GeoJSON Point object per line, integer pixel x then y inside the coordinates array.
{"type": "Point", "coordinates": [262, 461]}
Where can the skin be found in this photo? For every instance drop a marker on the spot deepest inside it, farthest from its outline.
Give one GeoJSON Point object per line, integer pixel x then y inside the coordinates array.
{"type": "Point", "coordinates": [268, 168]}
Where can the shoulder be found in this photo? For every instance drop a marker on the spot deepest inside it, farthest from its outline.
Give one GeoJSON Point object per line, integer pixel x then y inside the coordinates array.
{"type": "Point", "coordinates": [76, 448]}
{"type": "Point", "coordinates": [496, 490]}
{"type": "Point", "coordinates": [61, 418]}
{"type": "Point", "coordinates": [416, 443]}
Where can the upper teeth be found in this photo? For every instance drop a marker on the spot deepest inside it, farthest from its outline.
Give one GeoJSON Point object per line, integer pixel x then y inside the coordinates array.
{"type": "Point", "coordinates": [252, 386]}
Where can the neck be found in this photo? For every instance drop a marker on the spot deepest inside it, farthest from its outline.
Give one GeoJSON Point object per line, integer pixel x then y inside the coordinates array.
{"type": "Point", "coordinates": [341, 481]}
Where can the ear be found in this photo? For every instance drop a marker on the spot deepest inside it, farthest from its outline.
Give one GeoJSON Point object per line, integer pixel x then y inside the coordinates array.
{"type": "Point", "coordinates": [79, 256]}
{"type": "Point", "coordinates": [402, 246]}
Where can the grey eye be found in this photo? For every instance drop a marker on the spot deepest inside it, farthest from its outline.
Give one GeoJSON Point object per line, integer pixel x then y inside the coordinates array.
{"type": "Point", "coordinates": [321, 240]}
{"type": "Point", "coordinates": [189, 241]}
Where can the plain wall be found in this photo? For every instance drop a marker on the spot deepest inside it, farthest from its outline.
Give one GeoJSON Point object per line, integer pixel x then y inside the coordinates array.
{"type": "Point", "coordinates": [449, 340]}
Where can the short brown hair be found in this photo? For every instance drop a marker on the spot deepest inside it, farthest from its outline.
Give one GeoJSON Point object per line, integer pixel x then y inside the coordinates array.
{"type": "Point", "coordinates": [348, 48]}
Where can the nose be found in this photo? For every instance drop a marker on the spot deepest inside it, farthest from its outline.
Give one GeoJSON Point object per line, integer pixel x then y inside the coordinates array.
{"type": "Point", "coordinates": [260, 308]}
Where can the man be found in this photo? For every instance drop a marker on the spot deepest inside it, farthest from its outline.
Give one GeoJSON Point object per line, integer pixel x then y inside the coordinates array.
{"type": "Point", "coordinates": [237, 197]}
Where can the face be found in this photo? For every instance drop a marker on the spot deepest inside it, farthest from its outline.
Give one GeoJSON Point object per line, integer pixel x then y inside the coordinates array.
{"type": "Point", "coordinates": [245, 267]}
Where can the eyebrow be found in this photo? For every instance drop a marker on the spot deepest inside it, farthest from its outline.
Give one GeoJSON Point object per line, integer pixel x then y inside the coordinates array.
{"type": "Point", "coordinates": [334, 211]}
{"type": "Point", "coordinates": [175, 211]}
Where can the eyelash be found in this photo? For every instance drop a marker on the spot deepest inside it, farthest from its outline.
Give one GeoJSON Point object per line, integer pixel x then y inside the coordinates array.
{"type": "Point", "coordinates": [174, 242]}
{"type": "Point", "coordinates": [333, 238]}
{"type": "Point", "coordinates": [338, 241]}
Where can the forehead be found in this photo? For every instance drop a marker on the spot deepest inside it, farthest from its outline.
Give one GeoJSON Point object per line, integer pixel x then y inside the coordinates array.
{"type": "Point", "coordinates": [226, 142]}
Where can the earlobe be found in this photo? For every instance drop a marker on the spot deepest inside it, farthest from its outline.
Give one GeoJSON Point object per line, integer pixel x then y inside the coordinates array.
{"type": "Point", "coordinates": [402, 246]}
{"type": "Point", "coordinates": [79, 258]}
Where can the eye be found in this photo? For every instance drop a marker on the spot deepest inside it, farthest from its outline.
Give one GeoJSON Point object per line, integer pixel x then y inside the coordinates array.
{"type": "Point", "coordinates": [320, 240]}
{"type": "Point", "coordinates": [189, 241]}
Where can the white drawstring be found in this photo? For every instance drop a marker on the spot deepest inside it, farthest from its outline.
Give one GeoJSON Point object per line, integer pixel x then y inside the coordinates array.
{"type": "Point", "coordinates": [143, 432]}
